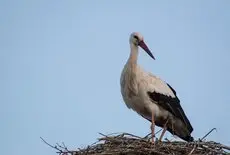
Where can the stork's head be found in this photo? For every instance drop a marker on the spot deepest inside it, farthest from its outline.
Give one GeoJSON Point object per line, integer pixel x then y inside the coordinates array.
{"type": "Point", "coordinates": [138, 40]}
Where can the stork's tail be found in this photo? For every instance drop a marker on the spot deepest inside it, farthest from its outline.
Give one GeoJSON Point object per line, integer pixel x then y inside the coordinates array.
{"type": "Point", "coordinates": [182, 133]}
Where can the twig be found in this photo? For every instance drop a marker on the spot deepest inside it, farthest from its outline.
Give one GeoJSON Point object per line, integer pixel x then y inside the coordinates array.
{"type": "Point", "coordinates": [207, 134]}
{"type": "Point", "coordinates": [55, 147]}
{"type": "Point", "coordinates": [193, 149]}
{"type": "Point", "coordinates": [128, 134]}
{"type": "Point", "coordinates": [167, 140]}
{"type": "Point", "coordinates": [151, 134]}
{"type": "Point", "coordinates": [59, 148]}
{"type": "Point", "coordinates": [225, 147]}
{"type": "Point", "coordinates": [63, 146]}
{"type": "Point", "coordinates": [103, 134]}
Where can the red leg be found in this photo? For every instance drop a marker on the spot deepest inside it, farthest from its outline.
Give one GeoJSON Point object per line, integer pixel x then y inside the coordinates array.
{"type": "Point", "coordinates": [164, 130]}
{"type": "Point", "coordinates": [162, 134]}
{"type": "Point", "coordinates": [153, 128]}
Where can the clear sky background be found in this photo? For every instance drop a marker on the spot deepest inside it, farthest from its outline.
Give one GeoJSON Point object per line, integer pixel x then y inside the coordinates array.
{"type": "Point", "coordinates": [60, 64]}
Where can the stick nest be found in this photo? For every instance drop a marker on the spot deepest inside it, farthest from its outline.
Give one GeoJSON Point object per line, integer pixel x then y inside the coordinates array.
{"type": "Point", "coordinates": [128, 144]}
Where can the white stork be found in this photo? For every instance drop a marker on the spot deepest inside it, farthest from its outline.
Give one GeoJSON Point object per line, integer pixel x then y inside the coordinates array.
{"type": "Point", "coordinates": [152, 98]}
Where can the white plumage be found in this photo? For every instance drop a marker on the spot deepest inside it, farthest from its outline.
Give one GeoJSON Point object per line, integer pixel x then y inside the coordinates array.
{"type": "Point", "coordinates": [151, 97]}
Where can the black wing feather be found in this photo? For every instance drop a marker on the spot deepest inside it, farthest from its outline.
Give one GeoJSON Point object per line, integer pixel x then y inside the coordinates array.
{"type": "Point", "coordinates": [174, 92]}
{"type": "Point", "coordinates": [171, 104]}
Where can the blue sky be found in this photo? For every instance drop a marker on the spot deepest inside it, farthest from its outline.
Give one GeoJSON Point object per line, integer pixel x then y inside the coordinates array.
{"type": "Point", "coordinates": [61, 63]}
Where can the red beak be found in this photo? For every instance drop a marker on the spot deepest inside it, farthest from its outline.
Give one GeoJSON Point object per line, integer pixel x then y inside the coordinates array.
{"type": "Point", "coordinates": [145, 47]}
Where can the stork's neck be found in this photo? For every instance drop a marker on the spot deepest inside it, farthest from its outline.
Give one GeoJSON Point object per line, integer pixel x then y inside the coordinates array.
{"type": "Point", "coordinates": [133, 54]}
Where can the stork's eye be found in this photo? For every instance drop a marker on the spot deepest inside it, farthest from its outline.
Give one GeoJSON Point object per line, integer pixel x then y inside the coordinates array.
{"type": "Point", "coordinates": [136, 37]}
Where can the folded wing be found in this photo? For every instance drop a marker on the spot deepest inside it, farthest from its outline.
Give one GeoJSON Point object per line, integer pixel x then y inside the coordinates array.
{"type": "Point", "coordinates": [165, 96]}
